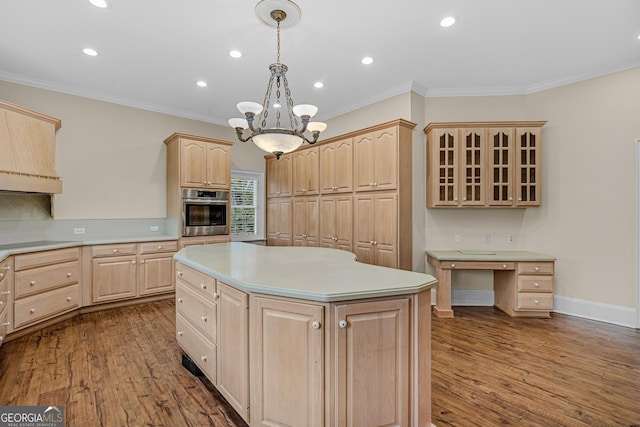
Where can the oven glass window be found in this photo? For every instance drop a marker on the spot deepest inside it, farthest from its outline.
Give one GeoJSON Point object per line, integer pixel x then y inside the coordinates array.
{"type": "Point", "coordinates": [205, 215]}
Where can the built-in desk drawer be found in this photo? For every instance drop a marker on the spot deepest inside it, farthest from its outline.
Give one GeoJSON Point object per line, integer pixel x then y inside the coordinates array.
{"type": "Point", "coordinates": [479, 265]}
{"type": "Point", "coordinates": [535, 268]}
{"type": "Point", "coordinates": [535, 283]}
{"type": "Point", "coordinates": [534, 301]}
{"type": "Point", "coordinates": [199, 311]}
{"type": "Point", "coordinates": [36, 280]}
{"type": "Point", "coordinates": [199, 349]}
{"type": "Point", "coordinates": [32, 309]}
{"type": "Point", "coordinates": [114, 250]}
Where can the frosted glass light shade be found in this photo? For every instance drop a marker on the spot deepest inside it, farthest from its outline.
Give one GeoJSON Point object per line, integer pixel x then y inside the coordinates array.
{"type": "Point", "coordinates": [238, 123]}
{"type": "Point", "coordinates": [316, 126]}
{"type": "Point", "coordinates": [249, 107]}
{"type": "Point", "coordinates": [273, 142]}
{"type": "Point", "coordinates": [305, 110]}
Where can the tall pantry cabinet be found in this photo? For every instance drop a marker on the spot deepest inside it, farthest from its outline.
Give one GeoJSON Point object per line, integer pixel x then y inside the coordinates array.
{"type": "Point", "coordinates": [363, 182]}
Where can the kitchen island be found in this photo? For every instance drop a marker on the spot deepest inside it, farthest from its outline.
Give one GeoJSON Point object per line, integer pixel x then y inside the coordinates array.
{"type": "Point", "coordinates": [307, 336]}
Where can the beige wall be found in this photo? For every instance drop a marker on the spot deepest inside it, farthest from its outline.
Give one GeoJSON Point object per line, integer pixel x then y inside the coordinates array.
{"type": "Point", "coordinates": [112, 158]}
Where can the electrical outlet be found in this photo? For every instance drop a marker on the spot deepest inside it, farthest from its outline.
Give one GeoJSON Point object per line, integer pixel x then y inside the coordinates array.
{"type": "Point", "coordinates": [78, 230]}
{"type": "Point", "coordinates": [457, 237]}
{"type": "Point", "coordinates": [487, 238]}
{"type": "Point", "coordinates": [511, 238]}
{"type": "Point", "coordinates": [154, 228]}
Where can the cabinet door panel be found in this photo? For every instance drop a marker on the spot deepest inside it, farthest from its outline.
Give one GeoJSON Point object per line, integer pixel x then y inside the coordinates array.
{"type": "Point", "coordinates": [156, 274]}
{"type": "Point", "coordinates": [364, 154]}
{"type": "Point", "coordinates": [285, 176]}
{"type": "Point", "coordinates": [218, 166]}
{"type": "Point", "coordinates": [344, 166]}
{"type": "Point", "coordinates": [375, 339]}
{"type": "Point", "coordinates": [472, 167]}
{"type": "Point", "coordinates": [527, 152]}
{"type": "Point", "coordinates": [287, 366]}
{"type": "Point", "coordinates": [327, 168]}
{"type": "Point", "coordinates": [328, 221]}
{"type": "Point", "coordinates": [193, 171]}
{"type": "Point", "coordinates": [500, 175]}
{"type": "Point", "coordinates": [114, 278]}
{"type": "Point", "coordinates": [386, 159]}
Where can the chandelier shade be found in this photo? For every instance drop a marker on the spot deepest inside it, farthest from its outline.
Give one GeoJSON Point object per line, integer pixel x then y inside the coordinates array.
{"type": "Point", "coordinates": [264, 124]}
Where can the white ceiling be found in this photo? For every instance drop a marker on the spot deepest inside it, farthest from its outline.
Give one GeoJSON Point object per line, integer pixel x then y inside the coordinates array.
{"type": "Point", "coordinates": [153, 51]}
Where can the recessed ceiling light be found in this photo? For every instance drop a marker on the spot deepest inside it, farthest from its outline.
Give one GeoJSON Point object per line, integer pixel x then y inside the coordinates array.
{"type": "Point", "coordinates": [201, 83]}
{"type": "Point", "coordinates": [99, 3]}
{"type": "Point", "coordinates": [639, 37]}
{"type": "Point", "coordinates": [235, 54]}
{"type": "Point", "coordinates": [448, 21]}
{"type": "Point", "coordinates": [367, 60]}
{"type": "Point", "coordinates": [318, 85]}
{"type": "Point", "coordinates": [89, 51]}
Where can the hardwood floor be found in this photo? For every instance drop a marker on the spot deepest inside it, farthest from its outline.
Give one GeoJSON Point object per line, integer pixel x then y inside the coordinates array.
{"type": "Point", "coordinates": [122, 367]}
{"type": "Point", "coordinates": [489, 369]}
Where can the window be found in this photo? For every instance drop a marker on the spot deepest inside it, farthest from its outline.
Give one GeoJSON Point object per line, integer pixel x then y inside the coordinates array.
{"type": "Point", "coordinates": [247, 204]}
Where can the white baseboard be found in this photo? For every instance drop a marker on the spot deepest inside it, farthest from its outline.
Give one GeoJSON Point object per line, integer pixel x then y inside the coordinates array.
{"type": "Point", "coordinates": [609, 313]}
{"type": "Point", "coordinates": [616, 314]}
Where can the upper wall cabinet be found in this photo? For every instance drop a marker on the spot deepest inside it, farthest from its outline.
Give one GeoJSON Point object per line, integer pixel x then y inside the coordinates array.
{"type": "Point", "coordinates": [336, 167]}
{"type": "Point", "coordinates": [202, 162]}
{"type": "Point", "coordinates": [306, 172]}
{"type": "Point", "coordinates": [279, 176]}
{"type": "Point", "coordinates": [376, 160]}
{"type": "Point", "coordinates": [484, 164]}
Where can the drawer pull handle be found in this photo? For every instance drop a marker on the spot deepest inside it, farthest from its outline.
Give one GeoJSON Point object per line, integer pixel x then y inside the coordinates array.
{"type": "Point", "coordinates": [33, 282]}
{"type": "Point", "coordinates": [536, 268]}
{"type": "Point", "coordinates": [453, 266]}
{"type": "Point", "coordinates": [180, 273]}
{"type": "Point", "coordinates": [33, 310]}
{"type": "Point", "coordinates": [159, 247]}
{"type": "Point", "coordinates": [115, 251]}
{"type": "Point", "coordinates": [316, 325]}
{"type": "Point", "coordinates": [536, 302]}
{"type": "Point", "coordinates": [204, 358]}
{"type": "Point", "coordinates": [536, 285]}
{"type": "Point", "coordinates": [68, 274]}
{"type": "Point", "coordinates": [204, 318]}
{"type": "Point", "coordinates": [203, 285]}
{"type": "Point", "coordinates": [68, 298]}
{"type": "Point", "coordinates": [504, 265]}
{"type": "Point", "coordinates": [179, 333]}
{"type": "Point", "coordinates": [180, 300]}
{"type": "Point", "coordinates": [342, 324]}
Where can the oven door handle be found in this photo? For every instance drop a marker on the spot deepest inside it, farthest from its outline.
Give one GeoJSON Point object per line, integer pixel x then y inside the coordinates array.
{"type": "Point", "coordinates": [204, 202]}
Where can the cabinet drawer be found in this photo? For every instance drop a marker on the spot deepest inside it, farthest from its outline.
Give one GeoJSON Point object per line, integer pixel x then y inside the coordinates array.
{"type": "Point", "coordinates": [158, 247]}
{"type": "Point", "coordinates": [32, 309]}
{"type": "Point", "coordinates": [535, 268]}
{"type": "Point", "coordinates": [40, 279]}
{"type": "Point", "coordinates": [535, 283]}
{"type": "Point", "coordinates": [114, 250]}
{"type": "Point", "coordinates": [534, 301]}
{"type": "Point", "coordinates": [38, 259]}
{"type": "Point", "coordinates": [3, 325]}
{"type": "Point", "coordinates": [202, 351]}
{"type": "Point", "coordinates": [200, 312]}
{"type": "Point", "coordinates": [201, 283]}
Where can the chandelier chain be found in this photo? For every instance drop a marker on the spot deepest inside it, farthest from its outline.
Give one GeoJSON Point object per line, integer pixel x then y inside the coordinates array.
{"type": "Point", "coordinates": [278, 48]}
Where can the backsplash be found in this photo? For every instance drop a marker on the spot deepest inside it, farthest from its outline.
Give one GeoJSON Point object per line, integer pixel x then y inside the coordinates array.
{"type": "Point", "coordinates": [24, 206]}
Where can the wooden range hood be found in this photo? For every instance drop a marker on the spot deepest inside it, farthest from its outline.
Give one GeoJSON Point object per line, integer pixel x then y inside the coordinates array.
{"type": "Point", "coordinates": [27, 151]}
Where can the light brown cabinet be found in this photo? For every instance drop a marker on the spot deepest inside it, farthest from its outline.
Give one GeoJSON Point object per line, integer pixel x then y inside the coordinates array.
{"type": "Point", "coordinates": [484, 164]}
{"type": "Point", "coordinates": [305, 221]}
{"type": "Point", "coordinates": [287, 363]}
{"type": "Point", "coordinates": [203, 162]}
{"type": "Point", "coordinates": [6, 300]}
{"type": "Point", "coordinates": [336, 167]}
{"type": "Point", "coordinates": [526, 293]}
{"type": "Point", "coordinates": [336, 222]}
{"type": "Point", "coordinates": [372, 337]}
{"type": "Point", "coordinates": [280, 176]}
{"type": "Point", "coordinates": [306, 172]}
{"type": "Point", "coordinates": [203, 240]}
{"type": "Point", "coordinates": [129, 270]}
{"type": "Point", "coordinates": [376, 230]}
{"type": "Point", "coordinates": [46, 284]}
{"type": "Point", "coordinates": [279, 222]}
{"type": "Point", "coordinates": [372, 160]}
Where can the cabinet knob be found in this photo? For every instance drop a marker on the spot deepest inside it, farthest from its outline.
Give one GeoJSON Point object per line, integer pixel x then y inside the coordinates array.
{"type": "Point", "coordinates": [133, 262]}
{"type": "Point", "coordinates": [180, 333]}
{"type": "Point", "coordinates": [141, 261]}
{"type": "Point", "coordinates": [453, 265]}
{"type": "Point", "coordinates": [375, 184]}
{"type": "Point", "coordinates": [115, 251]}
{"type": "Point", "coordinates": [519, 199]}
{"type": "Point", "coordinates": [371, 242]}
{"type": "Point", "coordinates": [204, 358]}
{"type": "Point", "coordinates": [7, 268]}
{"type": "Point", "coordinates": [33, 310]}
{"type": "Point", "coordinates": [455, 199]}
{"type": "Point", "coordinates": [5, 293]}
{"type": "Point", "coordinates": [68, 299]}
{"type": "Point", "coordinates": [180, 273]}
{"type": "Point", "coordinates": [504, 265]}
{"type": "Point", "coordinates": [536, 268]}
{"type": "Point", "coordinates": [316, 325]}
{"type": "Point", "coordinates": [203, 285]}
{"type": "Point", "coordinates": [1, 303]}
{"type": "Point", "coordinates": [204, 318]}
{"type": "Point", "coordinates": [371, 184]}
{"type": "Point", "coordinates": [464, 199]}
{"type": "Point", "coordinates": [180, 300]}
{"type": "Point", "coordinates": [342, 324]}
{"type": "Point", "coordinates": [159, 247]}
{"type": "Point", "coordinates": [216, 296]}
{"type": "Point", "coordinates": [536, 285]}
{"type": "Point", "coordinates": [5, 324]}
{"type": "Point", "coordinates": [1, 338]}
{"type": "Point", "coordinates": [1, 275]}
{"type": "Point", "coordinates": [33, 282]}
{"type": "Point", "coordinates": [536, 302]}
{"type": "Point", "coordinates": [68, 274]}
{"type": "Point", "coordinates": [511, 199]}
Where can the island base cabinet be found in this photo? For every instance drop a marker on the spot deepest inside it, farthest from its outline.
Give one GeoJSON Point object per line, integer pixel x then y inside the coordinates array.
{"type": "Point", "coordinates": [286, 363]}
{"type": "Point", "coordinates": [200, 350]}
{"type": "Point", "coordinates": [372, 337]}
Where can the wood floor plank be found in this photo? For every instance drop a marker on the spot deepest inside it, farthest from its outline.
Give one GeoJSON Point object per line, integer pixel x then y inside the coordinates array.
{"type": "Point", "coordinates": [122, 367]}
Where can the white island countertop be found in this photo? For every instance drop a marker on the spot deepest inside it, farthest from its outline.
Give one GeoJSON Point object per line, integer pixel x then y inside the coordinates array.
{"type": "Point", "coordinates": [316, 274]}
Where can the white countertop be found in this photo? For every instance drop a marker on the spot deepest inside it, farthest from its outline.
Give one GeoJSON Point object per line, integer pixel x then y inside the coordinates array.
{"type": "Point", "coordinates": [317, 274]}
{"type": "Point", "coordinates": [487, 255]}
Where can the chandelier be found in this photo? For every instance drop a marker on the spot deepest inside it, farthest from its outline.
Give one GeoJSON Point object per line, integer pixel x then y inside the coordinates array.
{"type": "Point", "coordinates": [266, 122]}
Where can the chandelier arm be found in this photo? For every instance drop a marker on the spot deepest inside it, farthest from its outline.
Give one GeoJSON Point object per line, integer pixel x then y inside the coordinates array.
{"type": "Point", "coordinates": [312, 141]}
{"type": "Point", "coordinates": [239, 132]}
{"type": "Point", "coordinates": [250, 119]}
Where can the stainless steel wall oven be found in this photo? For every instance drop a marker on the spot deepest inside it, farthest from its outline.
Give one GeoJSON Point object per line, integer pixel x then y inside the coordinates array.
{"type": "Point", "coordinates": [204, 212]}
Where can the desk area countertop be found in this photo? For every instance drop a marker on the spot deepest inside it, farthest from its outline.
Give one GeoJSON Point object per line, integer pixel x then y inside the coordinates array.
{"type": "Point", "coordinates": [479, 255]}
{"type": "Point", "coordinates": [316, 274]}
